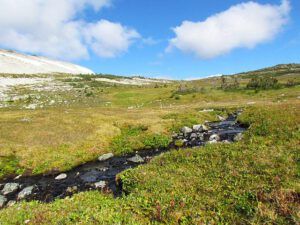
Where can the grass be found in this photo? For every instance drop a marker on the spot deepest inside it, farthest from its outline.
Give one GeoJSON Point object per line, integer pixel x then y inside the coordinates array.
{"type": "Point", "coordinates": [255, 181]}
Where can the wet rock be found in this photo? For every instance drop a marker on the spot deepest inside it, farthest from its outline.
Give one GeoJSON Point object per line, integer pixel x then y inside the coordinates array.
{"type": "Point", "coordinates": [17, 177]}
{"type": "Point", "coordinates": [61, 176]}
{"type": "Point", "coordinates": [214, 138]}
{"type": "Point", "coordinates": [90, 176]}
{"type": "Point", "coordinates": [10, 188]}
{"type": "Point", "coordinates": [186, 131]}
{"type": "Point", "coordinates": [3, 200]}
{"type": "Point", "coordinates": [136, 159]}
{"type": "Point", "coordinates": [101, 184]}
{"type": "Point", "coordinates": [26, 192]}
{"type": "Point", "coordinates": [105, 157]}
{"type": "Point", "coordinates": [238, 137]}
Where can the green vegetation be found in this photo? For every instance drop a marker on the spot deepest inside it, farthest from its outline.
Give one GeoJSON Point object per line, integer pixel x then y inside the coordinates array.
{"type": "Point", "coordinates": [254, 181]}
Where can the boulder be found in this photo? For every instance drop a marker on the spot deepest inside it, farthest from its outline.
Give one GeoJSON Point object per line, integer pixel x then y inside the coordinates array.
{"type": "Point", "coordinates": [186, 131]}
{"type": "Point", "coordinates": [61, 176]}
{"type": "Point", "coordinates": [136, 159]}
{"type": "Point", "coordinates": [10, 188]}
{"type": "Point", "coordinates": [101, 184]}
{"type": "Point", "coordinates": [105, 157]}
{"type": "Point", "coordinates": [3, 200]}
{"type": "Point", "coordinates": [26, 192]}
{"type": "Point", "coordinates": [214, 137]}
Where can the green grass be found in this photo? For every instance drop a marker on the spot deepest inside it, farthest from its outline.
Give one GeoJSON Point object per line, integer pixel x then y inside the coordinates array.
{"type": "Point", "coordinates": [255, 181]}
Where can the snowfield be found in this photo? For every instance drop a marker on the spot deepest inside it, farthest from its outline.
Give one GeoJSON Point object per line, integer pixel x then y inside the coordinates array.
{"type": "Point", "coordinates": [12, 62]}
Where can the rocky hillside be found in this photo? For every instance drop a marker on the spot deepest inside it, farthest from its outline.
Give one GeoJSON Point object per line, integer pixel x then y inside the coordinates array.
{"type": "Point", "coordinates": [16, 63]}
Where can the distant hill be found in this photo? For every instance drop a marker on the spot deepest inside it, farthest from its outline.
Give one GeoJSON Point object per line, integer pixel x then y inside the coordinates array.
{"type": "Point", "coordinates": [275, 71]}
{"type": "Point", "coordinates": [16, 63]}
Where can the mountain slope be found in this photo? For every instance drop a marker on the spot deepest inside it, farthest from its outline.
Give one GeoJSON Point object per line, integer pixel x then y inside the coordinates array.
{"type": "Point", "coordinates": [17, 63]}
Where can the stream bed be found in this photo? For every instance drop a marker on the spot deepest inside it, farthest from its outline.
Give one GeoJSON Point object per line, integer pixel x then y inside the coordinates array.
{"type": "Point", "coordinates": [101, 174]}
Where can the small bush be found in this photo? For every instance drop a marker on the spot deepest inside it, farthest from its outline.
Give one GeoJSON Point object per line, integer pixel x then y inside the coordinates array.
{"type": "Point", "coordinates": [263, 83]}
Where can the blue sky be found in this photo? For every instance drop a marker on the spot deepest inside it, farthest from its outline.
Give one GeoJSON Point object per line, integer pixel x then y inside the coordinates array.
{"type": "Point", "coordinates": [144, 46]}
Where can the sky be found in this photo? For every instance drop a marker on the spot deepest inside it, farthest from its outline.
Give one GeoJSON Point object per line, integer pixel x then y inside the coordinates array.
{"type": "Point", "coordinates": [174, 39]}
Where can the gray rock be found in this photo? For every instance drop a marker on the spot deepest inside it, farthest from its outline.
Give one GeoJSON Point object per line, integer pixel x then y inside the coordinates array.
{"type": "Point", "coordinates": [193, 135]}
{"type": "Point", "coordinates": [105, 157]}
{"type": "Point", "coordinates": [26, 192]}
{"type": "Point", "coordinates": [61, 176]}
{"type": "Point", "coordinates": [199, 128]}
{"type": "Point", "coordinates": [186, 130]}
{"type": "Point", "coordinates": [101, 184]}
{"type": "Point", "coordinates": [3, 200]}
{"type": "Point", "coordinates": [214, 137]}
{"type": "Point", "coordinates": [10, 188]}
{"type": "Point", "coordinates": [90, 176]}
{"type": "Point", "coordinates": [136, 159]}
{"type": "Point", "coordinates": [238, 137]}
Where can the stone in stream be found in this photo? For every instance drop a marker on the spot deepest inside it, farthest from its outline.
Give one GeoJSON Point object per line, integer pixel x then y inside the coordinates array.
{"type": "Point", "coordinates": [3, 200]}
{"type": "Point", "coordinates": [221, 118]}
{"type": "Point", "coordinates": [90, 176]}
{"type": "Point", "coordinates": [10, 188]}
{"type": "Point", "coordinates": [101, 184]}
{"type": "Point", "coordinates": [105, 157]}
{"type": "Point", "coordinates": [199, 128]}
{"type": "Point", "coordinates": [186, 131]}
{"type": "Point", "coordinates": [26, 192]}
{"type": "Point", "coordinates": [136, 159]}
{"type": "Point", "coordinates": [214, 138]}
{"type": "Point", "coordinates": [193, 135]}
{"type": "Point", "coordinates": [61, 176]}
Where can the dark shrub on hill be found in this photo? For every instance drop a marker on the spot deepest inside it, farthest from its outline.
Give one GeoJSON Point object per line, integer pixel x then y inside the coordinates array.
{"type": "Point", "coordinates": [263, 83]}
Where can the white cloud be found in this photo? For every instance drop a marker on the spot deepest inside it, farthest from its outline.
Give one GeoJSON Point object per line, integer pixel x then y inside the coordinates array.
{"type": "Point", "coordinates": [242, 26]}
{"type": "Point", "coordinates": [109, 39]}
{"type": "Point", "coordinates": [53, 28]}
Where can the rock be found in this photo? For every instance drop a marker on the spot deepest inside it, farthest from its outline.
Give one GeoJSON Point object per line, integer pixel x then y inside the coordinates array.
{"type": "Point", "coordinates": [238, 137]}
{"type": "Point", "coordinates": [186, 130]}
{"type": "Point", "coordinates": [213, 142]}
{"type": "Point", "coordinates": [193, 135]}
{"type": "Point", "coordinates": [214, 137]}
{"type": "Point", "coordinates": [90, 176]}
{"type": "Point", "coordinates": [61, 176]}
{"type": "Point", "coordinates": [3, 200]}
{"type": "Point", "coordinates": [136, 159]}
{"type": "Point", "coordinates": [17, 177]}
{"type": "Point", "coordinates": [72, 190]}
{"type": "Point", "coordinates": [221, 118]}
{"type": "Point", "coordinates": [101, 184]}
{"type": "Point", "coordinates": [11, 203]}
{"type": "Point", "coordinates": [197, 128]}
{"type": "Point", "coordinates": [10, 188]}
{"type": "Point", "coordinates": [26, 192]}
{"type": "Point", "coordinates": [105, 157]}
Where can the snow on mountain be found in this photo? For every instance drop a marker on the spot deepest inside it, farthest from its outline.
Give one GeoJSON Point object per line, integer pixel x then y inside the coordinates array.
{"type": "Point", "coordinates": [17, 63]}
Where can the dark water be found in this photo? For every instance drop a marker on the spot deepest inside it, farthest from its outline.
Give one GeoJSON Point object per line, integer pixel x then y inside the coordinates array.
{"type": "Point", "coordinates": [84, 177]}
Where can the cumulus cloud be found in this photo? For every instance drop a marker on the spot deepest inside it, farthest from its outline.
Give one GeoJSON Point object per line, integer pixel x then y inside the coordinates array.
{"type": "Point", "coordinates": [242, 26]}
{"type": "Point", "coordinates": [54, 28]}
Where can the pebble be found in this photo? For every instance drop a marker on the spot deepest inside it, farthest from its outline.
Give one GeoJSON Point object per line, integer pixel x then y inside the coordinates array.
{"type": "Point", "coordinates": [61, 176]}
{"type": "Point", "coordinates": [25, 192]}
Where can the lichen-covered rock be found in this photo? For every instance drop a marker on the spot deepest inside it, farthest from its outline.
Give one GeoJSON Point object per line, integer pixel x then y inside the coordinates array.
{"type": "Point", "coordinates": [105, 157]}
{"type": "Point", "coordinates": [10, 188]}
{"type": "Point", "coordinates": [186, 130]}
{"type": "Point", "coordinates": [26, 192]}
{"type": "Point", "coordinates": [136, 159]}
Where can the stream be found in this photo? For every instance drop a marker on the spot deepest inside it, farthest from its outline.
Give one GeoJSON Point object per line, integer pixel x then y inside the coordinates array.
{"type": "Point", "coordinates": [101, 175]}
